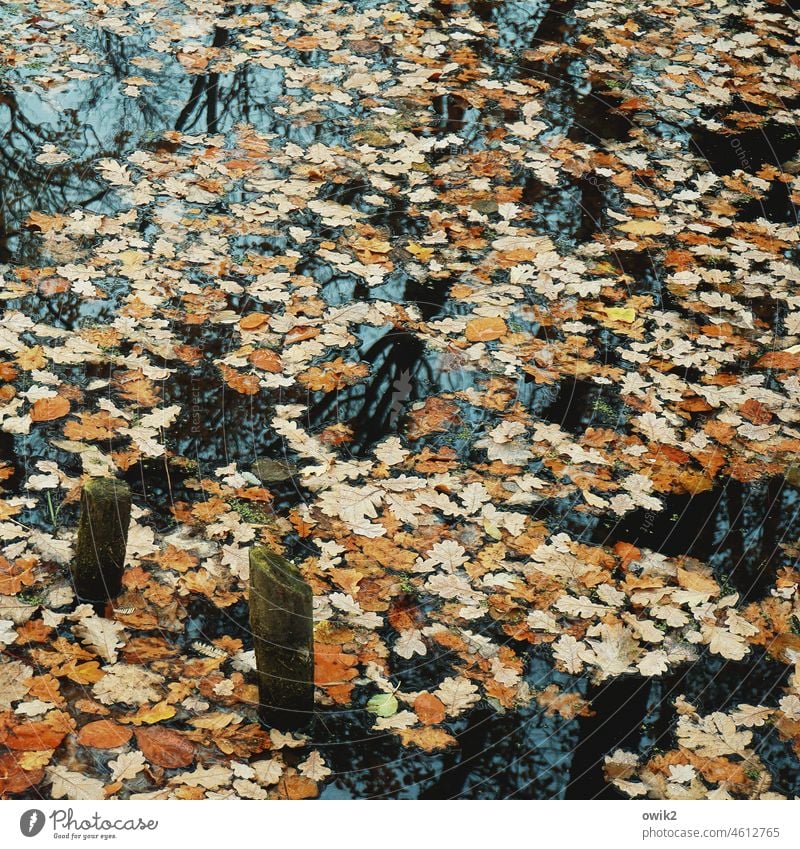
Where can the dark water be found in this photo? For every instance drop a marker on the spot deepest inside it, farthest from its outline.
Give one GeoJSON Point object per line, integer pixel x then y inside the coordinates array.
{"type": "Point", "coordinates": [735, 527]}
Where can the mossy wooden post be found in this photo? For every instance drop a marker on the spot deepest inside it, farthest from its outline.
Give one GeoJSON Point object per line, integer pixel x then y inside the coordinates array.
{"type": "Point", "coordinates": [281, 621]}
{"type": "Point", "coordinates": [102, 538]}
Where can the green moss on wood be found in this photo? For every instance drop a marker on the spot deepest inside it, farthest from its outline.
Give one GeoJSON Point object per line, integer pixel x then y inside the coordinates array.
{"type": "Point", "coordinates": [281, 621]}
{"type": "Point", "coordinates": [102, 538]}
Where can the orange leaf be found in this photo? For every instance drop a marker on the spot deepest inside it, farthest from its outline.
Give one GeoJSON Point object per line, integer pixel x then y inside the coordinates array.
{"type": "Point", "coordinates": [151, 715]}
{"type": "Point", "coordinates": [300, 333]}
{"type": "Point", "coordinates": [34, 737]}
{"type": "Point", "coordinates": [253, 320]}
{"type": "Point", "coordinates": [779, 359]}
{"type": "Point", "coordinates": [33, 631]}
{"type": "Point", "coordinates": [13, 778]}
{"type": "Point", "coordinates": [429, 709]}
{"type": "Point", "coordinates": [14, 576]}
{"type": "Point", "coordinates": [428, 739]}
{"type": "Point", "coordinates": [297, 787]}
{"type": "Point", "coordinates": [100, 425]}
{"type": "Point", "coordinates": [485, 329]}
{"type": "Point", "coordinates": [246, 384]}
{"type": "Point", "coordinates": [47, 409]}
{"type": "Point", "coordinates": [333, 670]}
{"type": "Point", "coordinates": [81, 673]}
{"type": "Point", "coordinates": [333, 375]}
{"type": "Point", "coordinates": [104, 734]}
{"type": "Point", "coordinates": [267, 360]}
{"type": "Point", "coordinates": [435, 415]}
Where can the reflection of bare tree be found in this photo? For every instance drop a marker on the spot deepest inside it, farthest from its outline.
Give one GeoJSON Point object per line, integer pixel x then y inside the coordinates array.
{"type": "Point", "coordinates": [206, 87]}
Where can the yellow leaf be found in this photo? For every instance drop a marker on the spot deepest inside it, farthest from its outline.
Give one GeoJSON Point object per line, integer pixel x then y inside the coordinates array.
{"type": "Point", "coordinates": [492, 530]}
{"type": "Point", "coordinates": [642, 227]}
{"type": "Point", "coordinates": [625, 314]}
{"type": "Point", "coordinates": [149, 716]}
{"type": "Point", "coordinates": [419, 251]}
{"type": "Point", "coordinates": [34, 760]}
{"type": "Point", "coordinates": [83, 673]}
{"type": "Point", "coordinates": [130, 259]}
{"type": "Point", "coordinates": [31, 358]}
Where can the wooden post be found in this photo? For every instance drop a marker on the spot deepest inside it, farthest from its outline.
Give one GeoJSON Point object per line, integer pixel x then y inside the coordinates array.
{"type": "Point", "coordinates": [102, 538]}
{"type": "Point", "coordinates": [281, 622]}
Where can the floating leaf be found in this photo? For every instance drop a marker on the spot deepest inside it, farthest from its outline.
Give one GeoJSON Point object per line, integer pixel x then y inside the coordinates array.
{"type": "Point", "coordinates": [485, 329]}
{"type": "Point", "coordinates": [164, 747]}
{"type": "Point", "coordinates": [623, 314]}
{"type": "Point", "coordinates": [48, 409]}
{"type": "Point", "coordinates": [642, 227]}
{"type": "Point", "coordinates": [104, 734]}
{"type": "Point", "coordinates": [383, 704]}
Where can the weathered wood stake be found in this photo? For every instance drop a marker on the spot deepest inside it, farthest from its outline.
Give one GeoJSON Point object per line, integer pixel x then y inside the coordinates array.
{"type": "Point", "coordinates": [102, 538]}
{"type": "Point", "coordinates": [281, 621]}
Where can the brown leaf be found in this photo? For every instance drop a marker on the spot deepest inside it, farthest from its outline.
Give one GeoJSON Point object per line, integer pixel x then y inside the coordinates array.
{"type": "Point", "coordinates": [755, 412]}
{"type": "Point", "coordinates": [404, 612]}
{"type": "Point", "coordinates": [165, 748]}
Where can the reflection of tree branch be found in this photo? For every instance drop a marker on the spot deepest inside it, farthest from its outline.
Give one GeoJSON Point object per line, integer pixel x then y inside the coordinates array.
{"type": "Point", "coordinates": [208, 85]}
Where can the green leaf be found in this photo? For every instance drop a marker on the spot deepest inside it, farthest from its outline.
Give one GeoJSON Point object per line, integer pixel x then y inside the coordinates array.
{"type": "Point", "coordinates": [384, 704]}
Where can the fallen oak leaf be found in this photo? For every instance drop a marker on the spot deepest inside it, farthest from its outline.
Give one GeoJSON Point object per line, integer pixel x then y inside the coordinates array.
{"type": "Point", "coordinates": [457, 694]}
{"type": "Point", "coordinates": [74, 785]}
{"type": "Point", "coordinates": [266, 360]}
{"type": "Point", "coordinates": [253, 320]}
{"type": "Point", "coordinates": [245, 384]}
{"type": "Point", "coordinates": [779, 360]}
{"type": "Point", "coordinates": [314, 767]}
{"type": "Point", "coordinates": [485, 329]}
{"type": "Point", "coordinates": [48, 409]}
{"type": "Point", "coordinates": [128, 765]}
{"type": "Point", "coordinates": [641, 227]}
{"type": "Point", "coordinates": [427, 739]}
{"type": "Point", "coordinates": [211, 778]}
{"type": "Point", "coordinates": [14, 778]}
{"type": "Point", "coordinates": [297, 787]}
